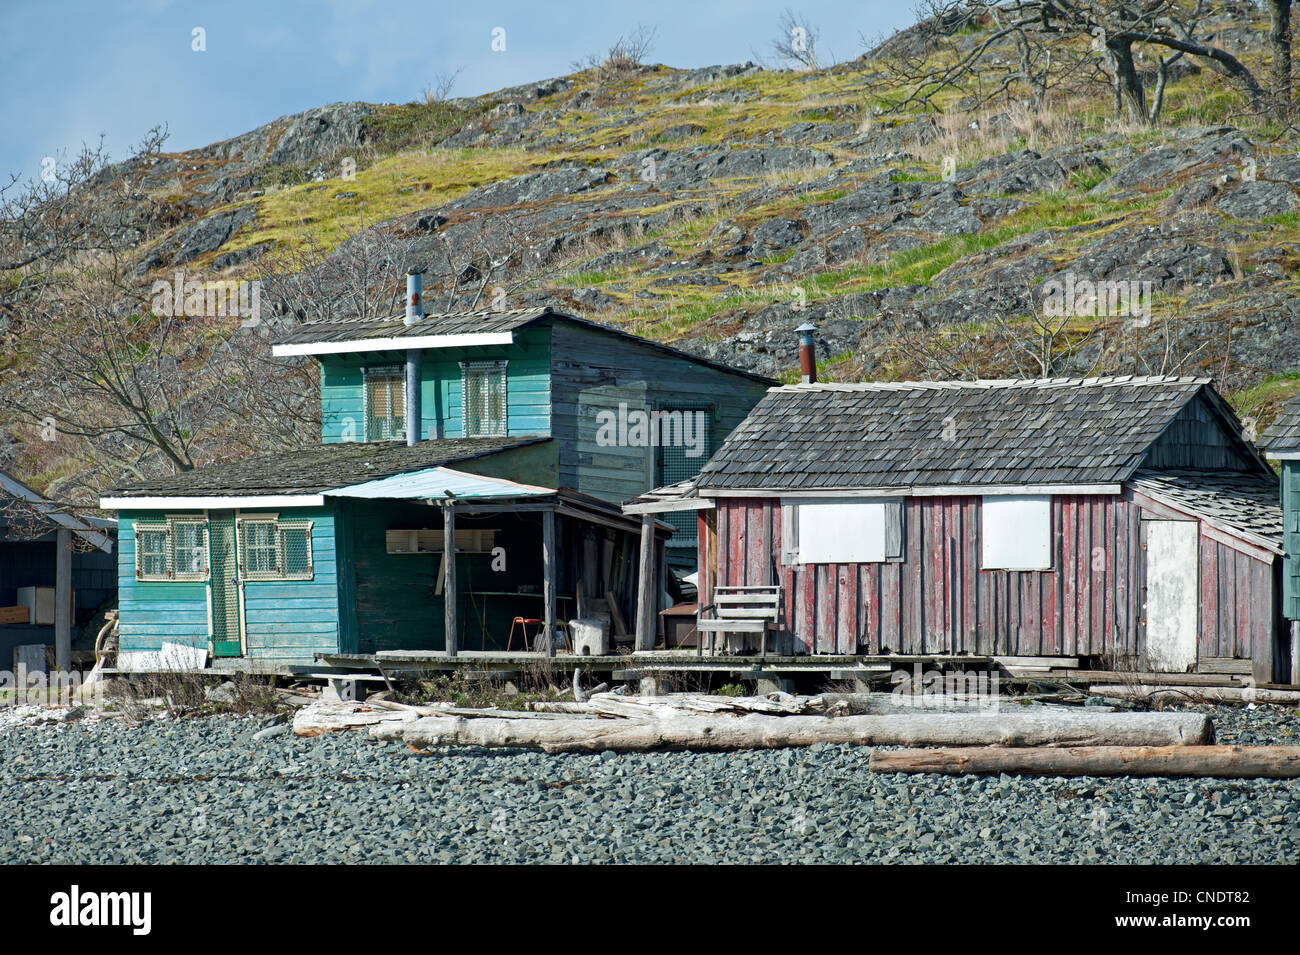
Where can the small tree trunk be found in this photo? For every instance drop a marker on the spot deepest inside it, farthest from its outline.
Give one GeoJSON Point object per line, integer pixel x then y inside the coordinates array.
{"type": "Point", "coordinates": [1128, 83]}
{"type": "Point", "coordinates": [1279, 38]}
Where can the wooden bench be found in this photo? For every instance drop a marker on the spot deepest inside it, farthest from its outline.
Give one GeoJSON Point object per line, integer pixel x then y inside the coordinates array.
{"type": "Point", "coordinates": [740, 610]}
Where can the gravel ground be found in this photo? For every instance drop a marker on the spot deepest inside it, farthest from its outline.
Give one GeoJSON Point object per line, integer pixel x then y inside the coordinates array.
{"type": "Point", "coordinates": [206, 791]}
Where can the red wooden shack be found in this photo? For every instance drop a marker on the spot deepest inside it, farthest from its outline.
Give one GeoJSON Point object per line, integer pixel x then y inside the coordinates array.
{"type": "Point", "coordinates": [1059, 517]}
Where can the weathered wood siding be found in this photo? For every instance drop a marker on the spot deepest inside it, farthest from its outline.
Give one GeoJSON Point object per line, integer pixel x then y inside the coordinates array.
{"type": "Point", "coordinates": [285, 621]}
{"type": "Point", "coordinates": [151, 612]}
{"type": "Point", "coordinates": [290, 621]}
{"type": "Point", "coordinates": [592, 372]}
{"type": "Point", "coordinates": [1197, 438]}
{"type": "Point", "coordinates": [938, 600]}
{"type": "Point", "coordinates": [528, 394]}
{"type": "Point", "coordinates": [1291, 540]}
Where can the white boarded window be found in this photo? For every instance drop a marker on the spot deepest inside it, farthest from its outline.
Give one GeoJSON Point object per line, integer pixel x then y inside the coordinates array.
{"type": "Point", "coordinates": [842, 530]}
{"type": "Point", "coordinates": [1016, 533]}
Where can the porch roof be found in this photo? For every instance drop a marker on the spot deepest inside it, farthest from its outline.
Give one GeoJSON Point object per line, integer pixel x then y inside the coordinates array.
{"type": "Point", "coordinates": [1244, 505]}
{"type": "Point", "coordinates": [312, 471]}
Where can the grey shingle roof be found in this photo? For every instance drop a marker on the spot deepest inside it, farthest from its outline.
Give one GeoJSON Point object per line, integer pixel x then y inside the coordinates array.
{"type": "Point", "coordinates": [1284, 433]}
{"type": "Point", "coordinates": [906, 434]}
{"type": "Point", "coordinates": [479, 322]}
{"type": "Point", "coordinates": [483, 321]}
{"type": "Point", "coordinates": [322, 467]}
{"type": "Point", "coordinates": [1247, 505]}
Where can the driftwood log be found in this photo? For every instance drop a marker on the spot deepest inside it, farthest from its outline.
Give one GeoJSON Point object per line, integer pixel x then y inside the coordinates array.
{"type": "Point", "coordinates": [1185, 694]}
{"type": "Point", "coordinates": [765, 732]}
{"type": "Point", "coordinates": [1227, 762]}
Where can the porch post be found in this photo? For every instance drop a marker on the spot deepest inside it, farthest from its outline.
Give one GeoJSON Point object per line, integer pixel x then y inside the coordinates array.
{"type": "Point", "coordinates": [449, 586]}
{"type": "Point", "coordinates": [548, 578]}
{"type": "Point", "coordinates": [63, 600]}
{"type": "Point", "coordinates": [645, 596]}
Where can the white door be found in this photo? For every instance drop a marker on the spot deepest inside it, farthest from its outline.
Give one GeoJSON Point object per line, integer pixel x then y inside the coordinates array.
{"type": "Point", "coordinates": [1172, 598]}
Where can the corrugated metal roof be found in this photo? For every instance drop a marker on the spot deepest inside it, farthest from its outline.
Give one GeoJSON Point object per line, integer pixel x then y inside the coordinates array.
{"type": "Point", "coordinates": [438, 483]}
{"type": "Point", "coordinates": [926, 434]}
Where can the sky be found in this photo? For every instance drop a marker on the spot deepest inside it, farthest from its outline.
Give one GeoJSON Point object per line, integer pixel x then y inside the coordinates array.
{"type": "Point", "coordinates": [71, 71]}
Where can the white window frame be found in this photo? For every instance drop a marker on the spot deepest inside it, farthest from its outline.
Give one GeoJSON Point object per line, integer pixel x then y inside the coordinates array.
{"type": "Point", "coordinates": [484, 368]}
{"type": "Point", "coordinates": [1013, 529]}
{"type": "Point", "coordinates": [841, 547]}
{"type": "Point", "coordinates": [368, 374]}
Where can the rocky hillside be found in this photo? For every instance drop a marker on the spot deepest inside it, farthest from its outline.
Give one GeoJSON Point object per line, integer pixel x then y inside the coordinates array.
{"type": "Point", "coordinates": [719, 208]}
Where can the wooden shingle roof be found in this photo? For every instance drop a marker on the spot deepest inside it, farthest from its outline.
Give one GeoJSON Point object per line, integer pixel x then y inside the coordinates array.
{"type": "Point", "coordinates": [1247, 505]}
{"type": "Point", "coordinates": [1066, 431]}
{"type": "Point", "coordinates": [458, 328]}
{"type": "Point", "coordinates": [1284, 433]}
{"type": "Point", "coordinates": [321, 467]}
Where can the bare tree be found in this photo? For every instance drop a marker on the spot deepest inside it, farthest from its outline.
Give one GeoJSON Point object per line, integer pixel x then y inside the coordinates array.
{"type": "Point", "coordinates": [1024, 37]}
{"type": "Point", "coordinates": [1279, 39]}
{"type": "Point", "coordinates": [796, 40]}
{"type": "Point", "coordinates": [625, 55]}
{"type": "Point", "coordinates": [440, 87]}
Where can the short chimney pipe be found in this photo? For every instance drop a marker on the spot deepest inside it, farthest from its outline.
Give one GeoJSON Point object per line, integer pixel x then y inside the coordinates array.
{"type": "Point", "coordinates": [807, 353]}
{"type": "Point", "coordinates": [414, 356]}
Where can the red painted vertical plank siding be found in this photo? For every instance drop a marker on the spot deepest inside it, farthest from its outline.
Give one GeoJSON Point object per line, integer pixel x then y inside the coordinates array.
{"type": "Point", "coordinates": [937, 600]}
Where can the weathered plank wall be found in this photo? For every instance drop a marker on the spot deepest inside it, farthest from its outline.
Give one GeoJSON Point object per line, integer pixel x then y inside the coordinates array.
{"type": "Point", "coordinates": [592, 372]}
{"type": "Point", "coordinates": [285, 621]}
{"type": "Point", "coordinates": [937, 600]}
{"type": "Point", "coordinates": [1197, 438]}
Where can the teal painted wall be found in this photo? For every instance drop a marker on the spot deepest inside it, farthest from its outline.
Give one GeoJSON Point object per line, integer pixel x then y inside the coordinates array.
{"type": "Point", "coordinates": [1291, 541]}
{"type": "Point", "coordinates": [151, 612]}
{"type": "Point", "coordinates": [285, 621]}
{"type": "Point", "coordinates": [528, 390]}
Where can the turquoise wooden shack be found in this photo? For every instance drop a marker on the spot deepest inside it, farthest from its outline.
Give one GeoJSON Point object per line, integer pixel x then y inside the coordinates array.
{"type": "Point", "coordinates": [510, 435]}
{"type": "Point", "coordinates": [1282, 444]}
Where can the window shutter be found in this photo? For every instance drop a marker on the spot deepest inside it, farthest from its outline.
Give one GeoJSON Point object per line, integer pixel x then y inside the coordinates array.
{"type": "Point", "coordinates": [789, 534]}
{"type": "Point", "coordinates": [894, 530]}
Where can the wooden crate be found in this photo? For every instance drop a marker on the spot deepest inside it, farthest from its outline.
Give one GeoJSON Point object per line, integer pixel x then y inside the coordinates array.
{"type": "Point", "coordinates": [15, 615]}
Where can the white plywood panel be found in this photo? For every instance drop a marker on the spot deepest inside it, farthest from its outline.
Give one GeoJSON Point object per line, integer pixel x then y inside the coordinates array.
{"type": "Point", "coordinates": [841, 531]}
{"type": "Point", "coordinates": [1172, 594]}
{"type": "Point", "coordinates": [1016, 533]}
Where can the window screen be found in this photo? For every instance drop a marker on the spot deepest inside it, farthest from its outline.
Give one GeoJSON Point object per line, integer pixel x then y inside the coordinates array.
{"type": "Point", "coordinates": [1016, 533]}
{"type": "Point", "coordinates": [295, 548]}
{"type": "Point", "coordinates": [259, 557]}
{"type": "Point", "coordinates": [189, 549]}
{"type": "Point", "coordinates": [385, 400]}
{"type": "Point", "coordinates": [483, 399]}
{"type": "Point", "coordinates": [153, 555]}
{"type": "Point", "coordinates": [685, 439]}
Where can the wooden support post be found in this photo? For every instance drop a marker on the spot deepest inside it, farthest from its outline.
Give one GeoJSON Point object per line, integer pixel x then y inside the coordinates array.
{"type": "Point", "coordinates": [63, 600]}
{"type": "Point", "coordinates": [646, 579]}
{"type": "Point", "coordinates": [449, 586]}
{"type": "Point", "coordinates": [548, 579]}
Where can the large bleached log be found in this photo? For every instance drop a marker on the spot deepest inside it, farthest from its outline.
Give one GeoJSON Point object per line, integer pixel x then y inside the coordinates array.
{"type": "Point", "coordinates": [1227, 762]}
{"type": "Point", "coordinates": [330, 716]}
{"type": "Point", "coordinates": [1186, 694]}
{"type": "Point", "coordinates": [763, 732]}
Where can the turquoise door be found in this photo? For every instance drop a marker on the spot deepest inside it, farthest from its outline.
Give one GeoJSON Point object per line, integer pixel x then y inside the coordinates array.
{"type": "Point", "coordinates": [227, 618]}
